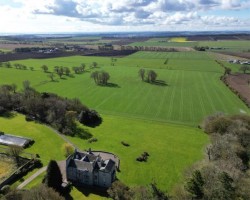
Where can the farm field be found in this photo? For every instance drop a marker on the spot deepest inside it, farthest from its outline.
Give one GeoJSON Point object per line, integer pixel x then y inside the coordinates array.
{"type": "Point", "coordinates": [5, 50]}
{"type": "Point", "coordinates": [158, 118]}
{"type": "Point", "coordinates": [166, 42]}
{"type": "Point", "coordinates": [190, 91]}
{"type": "Point", "coordinates": [80, 41]}
{"type": "Point", "coordinates": [230, 45]}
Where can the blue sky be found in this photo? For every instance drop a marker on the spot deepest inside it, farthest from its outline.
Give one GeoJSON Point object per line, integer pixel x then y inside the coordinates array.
{"type": "Point", "coordinates": [43, 16]}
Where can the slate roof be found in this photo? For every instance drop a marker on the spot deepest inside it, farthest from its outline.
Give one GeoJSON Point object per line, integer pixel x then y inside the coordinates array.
{"type": "Point", "coordinates": [109, 165]}
{"type": "Point", "coordinates": [82, 165]}
{"type": "Point", "coordinates": [79, 155]}
{"type": "Point", "coordinates": [90, 162]}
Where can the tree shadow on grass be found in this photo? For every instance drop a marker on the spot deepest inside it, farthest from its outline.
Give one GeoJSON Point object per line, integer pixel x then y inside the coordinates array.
{"type": "Point", "coordinates": [97, 67]}
{"type": "Point", "coordinates": [88, 190]}
{"type": "Point", "coordinates": [111, 85]}
{"type": "Point", "coordinates": [159, 83]}
{"type": "Point", "coordinates": [55, 81]}
{"type": "Point", "coordinates": [8, 115]}
{"type": "Point", "coordinates": [71, 76]}
{"type": "Point", "coordinates": [82, 133]}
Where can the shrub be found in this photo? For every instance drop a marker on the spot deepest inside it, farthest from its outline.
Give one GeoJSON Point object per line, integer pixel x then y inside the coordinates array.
{"type": "Point", "coordinates": [29, 118]}
{"type": "Point", "coordinates": [143, 157]}
{"type": "Point", "coordinates": [92, 140]}
{"type": "Point", "coordinates": [119, 191]}
{"type": "Point", "coordinates": [68, 149]}
{"type": "Point", "coordinates": [5, 189]}
{"type": "Point", "coordinates": [2, 110]}
{"type": "Point", "coordinates": [125, 144]}
{"type": "Point", "coordinates": [38, 163]}
{"type": "Point", "coordinates": [90, 118]}
{"type": "Point", "coordinates": [218, 125]}
{"type": "Point", "coordinates": [67, 131]}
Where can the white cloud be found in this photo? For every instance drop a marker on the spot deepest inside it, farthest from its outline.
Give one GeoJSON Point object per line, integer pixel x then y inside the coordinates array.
{"type": "Point", "coordinates": [75, 15]}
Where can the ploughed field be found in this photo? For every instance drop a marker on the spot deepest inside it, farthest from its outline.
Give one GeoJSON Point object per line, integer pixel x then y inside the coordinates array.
{"type": "Point", "coordinates": [188, 87]}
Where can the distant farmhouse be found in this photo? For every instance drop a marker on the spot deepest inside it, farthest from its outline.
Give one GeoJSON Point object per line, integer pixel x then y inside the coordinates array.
{"type": "Point", "coordinates": [245, 62]}
{"type": "Point", "coordinates": [91, 168]}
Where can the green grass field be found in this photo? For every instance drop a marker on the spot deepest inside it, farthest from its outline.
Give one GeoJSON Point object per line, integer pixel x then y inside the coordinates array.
{"type": "Point", "coordinates": [171, 147]}
{"type": "Point", "coordinates": [134, 111]}
{"type": "Point", "coordinates": [45, 139]}
{"type": "Point", "coordinates": [193, 88]}
{"type": "Point", "coordinates": [229, 45]}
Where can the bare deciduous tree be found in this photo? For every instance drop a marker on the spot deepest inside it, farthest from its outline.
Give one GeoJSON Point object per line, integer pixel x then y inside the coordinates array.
{"type": "Point", "coordinates": [142, 74]}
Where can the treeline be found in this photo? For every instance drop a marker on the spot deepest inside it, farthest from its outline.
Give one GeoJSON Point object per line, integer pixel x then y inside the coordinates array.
{"type": "Point", "coordinates": [224, 78]}
{"type": "Point", "coordinates": [201, 48]}
{"type": "Point", "coordinates": [145, 48]}
{"type": "Point", "coordinates": [224, 174]}
{"type": "Point", "coordinates": [38, 192]}
{"type": "Point", "coordinates": [29, 49]}
{"type": "Point", "coordinates": [119, 191]}
{"type": "Point", "coordinates": [61, 113]}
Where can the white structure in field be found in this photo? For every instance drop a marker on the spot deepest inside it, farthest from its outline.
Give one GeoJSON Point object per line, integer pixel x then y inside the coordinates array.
{"type": "Point", "coordinates": [90, 169]}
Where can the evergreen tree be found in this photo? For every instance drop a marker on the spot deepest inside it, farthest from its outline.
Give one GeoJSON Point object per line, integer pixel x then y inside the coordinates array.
{"type": "Point", "coordinates": [53, 178]}
{"type": "Point", "coordinates": [227, 189]}
{"type": "Point", "coordinates": [195, 185]}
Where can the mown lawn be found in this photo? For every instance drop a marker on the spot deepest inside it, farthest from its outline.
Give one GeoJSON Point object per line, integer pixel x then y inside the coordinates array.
{"type": "Point", "coordinates": [172, 148]}
{"type": "Point", "coordinates": [47, 144]}
{"type": "Point", "coordinates": [189, 87]}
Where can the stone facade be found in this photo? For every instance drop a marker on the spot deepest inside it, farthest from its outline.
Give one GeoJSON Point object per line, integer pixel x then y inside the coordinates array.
{"type": "Point", "coordinates": [86, 168]}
